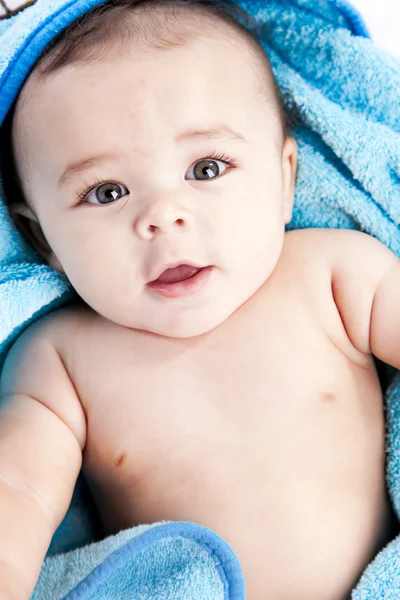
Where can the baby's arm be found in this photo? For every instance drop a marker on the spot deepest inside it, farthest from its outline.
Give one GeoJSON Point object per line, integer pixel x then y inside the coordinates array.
{"type": "Point", "coordinates": [42, 434]}
{"type": "Point", "coordinates": [366, 290]}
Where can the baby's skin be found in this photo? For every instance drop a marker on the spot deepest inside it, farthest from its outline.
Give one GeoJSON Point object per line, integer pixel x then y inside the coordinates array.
{"type": "Point", "coordinates": [245, 398]}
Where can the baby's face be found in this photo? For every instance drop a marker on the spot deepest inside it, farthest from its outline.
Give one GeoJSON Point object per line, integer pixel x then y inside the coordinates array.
{"type": "Point", "coordinates": [195, 173]}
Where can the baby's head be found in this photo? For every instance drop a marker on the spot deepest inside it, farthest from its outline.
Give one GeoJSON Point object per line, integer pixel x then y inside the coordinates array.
{"type": "Point", "coordinates": [151, 135]}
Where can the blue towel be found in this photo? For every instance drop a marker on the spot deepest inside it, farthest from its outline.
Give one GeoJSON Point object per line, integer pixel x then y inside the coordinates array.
{"type": "Point", "coordinates": [345, 95]}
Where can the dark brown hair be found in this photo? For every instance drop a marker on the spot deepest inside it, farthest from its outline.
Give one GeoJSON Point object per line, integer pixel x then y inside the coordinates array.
{"type": "Point", "coordinates": [90, 37]}
{"type": "Point", "coordinates": [106, 27]}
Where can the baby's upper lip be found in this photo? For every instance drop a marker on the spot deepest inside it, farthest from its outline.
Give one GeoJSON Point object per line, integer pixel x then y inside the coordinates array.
{"type": "Point", "coordinates": [158, 271]}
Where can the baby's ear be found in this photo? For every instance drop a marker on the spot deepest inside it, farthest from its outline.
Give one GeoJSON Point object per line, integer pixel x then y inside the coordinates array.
{"type": "Point", "coordinates": [28, 223]}
{"type": "Point", "coordinates": [289, 171]}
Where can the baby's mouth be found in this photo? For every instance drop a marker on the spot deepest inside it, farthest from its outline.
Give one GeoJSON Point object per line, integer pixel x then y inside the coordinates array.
{"type": "Point", "coordinates": [182, 280]}
{"type": "Point", "coordinates": [178, 274]}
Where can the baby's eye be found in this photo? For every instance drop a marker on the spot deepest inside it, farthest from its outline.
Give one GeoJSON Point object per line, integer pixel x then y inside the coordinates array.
{"type": "Point", "coordinates": [206, 168]}
{"type": "Point", "coordinates": [105, 193]}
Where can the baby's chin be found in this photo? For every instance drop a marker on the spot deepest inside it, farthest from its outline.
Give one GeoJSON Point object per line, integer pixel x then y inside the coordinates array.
{"type": "Point", "coordinates": [189, 329]}
{"type": "Point", "coordinates": [189, 323]}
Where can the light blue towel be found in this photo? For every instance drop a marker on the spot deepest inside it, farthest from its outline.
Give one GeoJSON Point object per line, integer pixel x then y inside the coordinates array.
{"type": "Point", "coordinates": [345, 95]}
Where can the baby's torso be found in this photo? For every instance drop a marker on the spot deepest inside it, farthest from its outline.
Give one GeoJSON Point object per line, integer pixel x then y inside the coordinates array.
{"type": "Point", "coordinates": [269, 430]}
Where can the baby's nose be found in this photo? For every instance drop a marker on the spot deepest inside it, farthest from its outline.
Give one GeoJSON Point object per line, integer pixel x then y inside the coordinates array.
{"type": "Point", "coordinates": [163, 216]}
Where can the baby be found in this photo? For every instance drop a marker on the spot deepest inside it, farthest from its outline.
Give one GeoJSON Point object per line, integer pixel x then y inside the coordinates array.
{"type": "Point", "coordinates": [218, 370]}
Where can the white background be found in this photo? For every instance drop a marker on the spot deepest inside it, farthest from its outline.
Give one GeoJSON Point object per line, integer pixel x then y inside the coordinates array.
{"type": "Point", "coordinates": [382, 18]}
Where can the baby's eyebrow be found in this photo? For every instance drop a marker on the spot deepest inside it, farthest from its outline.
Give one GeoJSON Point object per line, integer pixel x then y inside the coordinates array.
{"type": "Point", "coordinates": [222, 131]}
{"type": "Point", "coordinates": [84, 164]}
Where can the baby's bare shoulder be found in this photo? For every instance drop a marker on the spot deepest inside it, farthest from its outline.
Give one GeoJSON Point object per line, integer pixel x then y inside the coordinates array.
{"type": "Point", "coordinates": [61, 328]}
{"type": "Point", "coordinates": [307, 255]}
{"type": "Point", "coordinates": [334, 251]}
{"type": "Point", "coordinates": [63, 322]}
{"type": "Point", "coordinates": [348, 267]}
{"type": "Point", "coordinates": [327, 244]}
{"type": "Point", "coordinates": [323, 242]}
{"type": "Point", "coordinates": [35, 366]}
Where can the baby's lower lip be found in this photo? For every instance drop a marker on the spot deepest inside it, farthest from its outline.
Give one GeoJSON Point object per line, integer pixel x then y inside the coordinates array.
{"type": "Point", "coordinates": [187, 287]}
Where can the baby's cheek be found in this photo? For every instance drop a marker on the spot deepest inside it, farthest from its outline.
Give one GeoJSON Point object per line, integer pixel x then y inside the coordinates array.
{"type": "Point", "coordinates": [89, 271]}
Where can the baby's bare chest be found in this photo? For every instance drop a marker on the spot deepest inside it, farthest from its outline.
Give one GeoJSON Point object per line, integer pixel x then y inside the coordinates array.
{"type": "Point", "coordinates": [217, 411]}
{"type": "Point", "coordinates": [240, 390]}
